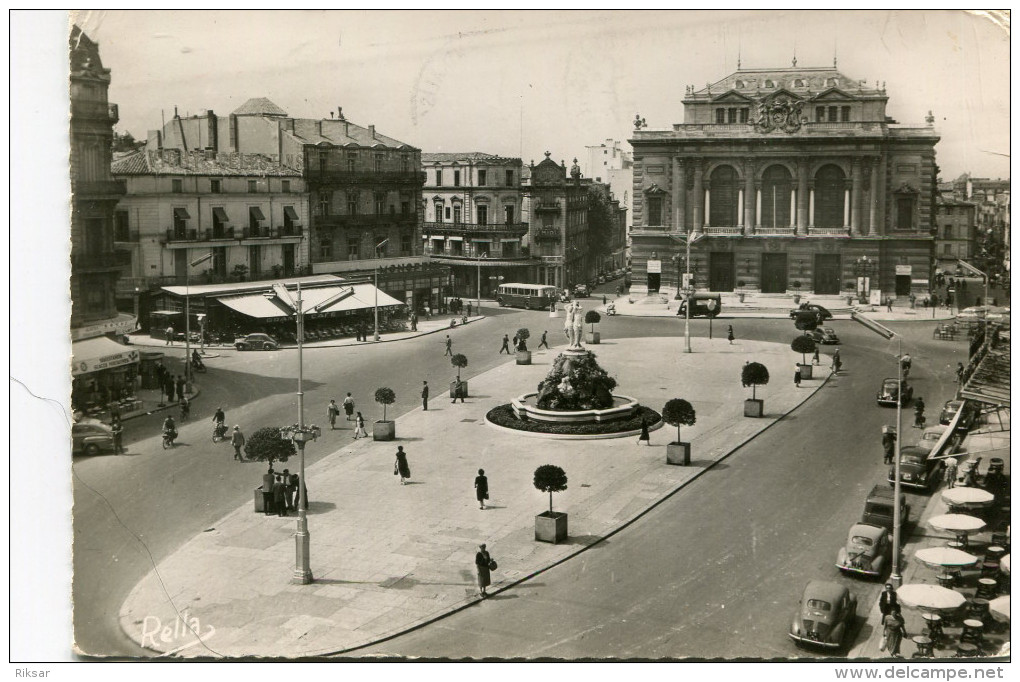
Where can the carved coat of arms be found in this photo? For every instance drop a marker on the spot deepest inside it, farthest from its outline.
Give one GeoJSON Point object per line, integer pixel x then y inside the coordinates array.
{"type": "Point", "coordinates": [780, 113]}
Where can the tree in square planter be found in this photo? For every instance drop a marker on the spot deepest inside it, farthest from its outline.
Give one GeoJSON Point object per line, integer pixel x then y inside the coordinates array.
{"type": "Point", "coordinates": [804, 344]}
{"type": "Point", "coordinates": [523, 354]}
{"type": "Point", "coordinates": [550, 526]}
{"type": "Point", "coordinates": [267, 445]}
{"type": "Point", "coordinates": [592, 317]}
{"type": "Point", "coordinates": [459, 361]}
{"type": "Point", "coordinates": [754, 374]}
{"type": "Point", "coordinates": [384, 429]}
{"type": "Point", "coordinates": [796, 292]}
{"type": "Point", "coordinates": [678, 412]}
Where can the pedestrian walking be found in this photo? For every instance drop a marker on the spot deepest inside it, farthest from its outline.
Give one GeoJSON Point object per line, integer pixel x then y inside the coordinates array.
{"type": "Point", "coordinates": [888, 446]}
{"type": "Point", "coordinates": [516, 340]}
{"type": "Point", "coordinates": [888, 600]}
{"type": "Point", "coordinates": [280, 496]}
{"type": "Point", "coordinates": [185, 409]}
{"type": "Point", "coordinates": [959, 372]}
{"type": "Point", "coordinates": [888, 304]}
{"type": "Point", "coordinates": [894, 631]}
{"type": "Point", "coordinates": [449, 346]}
{"type": "Point", "coordinates": [458, 390]}
{"type": "Point", "coordinates": [171, 387]}
{"type": "Point", "coordinates": [349, 407]}
{"type": "Point", "coordinates": [544, 341]}
{"type": "Point", "coordinates": [950, 473]}
{"type": "Point", "coordinates": [288, 490]}
{"type": "Point", "coordinates": [400, 465]}
{"type": "Point", "coordinates": [919, 413]}
{"type": "Point", "coordinates": [428, 312]}
{"type": "Point", "coordinates": [425, 396]}
{"type": "Point", "coordinates": [469, 309]}
{"type": "Point", "coordinates": [359, 427]}
{"type": "Point", "coordinates": [483, 564]}
{"type": "Point", "coordinates": [118, 434]}
{"type": "Point", "coordinates": [237, 440]}
{"type": "Point", "coordinates": [913, 299]}
{"type": "Point", "coordinates": [169, 336]}
{"type": "Point", "coordinates": [506, 345]}
{"type": "Point", "coordinates": [332, 412]}
{"type": "Point", "coordinates": [729, 334]}
{"type": "Point", "coordinates": [300, 492]}
{"type": "Point", "coordinates": [644, 437]}
{"type": "Point", "coordinates": [797, 376]}
{"type": "Point", "coordinates": [180, 387]}
{"type": "Point", "coordinates": [481, 488]}
{"type": "Point", "coordinates": [818, 357]}
{"type": "Point", "coordinates": [414, 322]}
{"type": "Point", "coordinates": [268, 482]}
{"type": "Point", "coordinates": [836, 362]}
{"type": "Point", "coordinates": [604, 300]}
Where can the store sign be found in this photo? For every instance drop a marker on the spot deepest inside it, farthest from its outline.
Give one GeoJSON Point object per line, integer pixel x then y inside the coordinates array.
{"type": "Point", "coordinates": [654, 267]}
{"type": "Point", "coordinates": [106, 362]}
{"type": "Point", "coordinates": [122, 324]}
{"type": "Point", "coordinates": [903, 269]}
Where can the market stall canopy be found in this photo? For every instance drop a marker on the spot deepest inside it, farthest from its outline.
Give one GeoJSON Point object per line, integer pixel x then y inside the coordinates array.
{"type": "Point", "coordinates": [932, 597]}
{"type": "Point", "coordinates": [260, 306]}
{"type": "Point", "coordinates": [92, 355]}
{"type": "Point", "coordinates": [964, 496]}
{"type": "Point", "coordinates": [945, 556]}
{"type": "Point", "coordinates": [230, 288]}
{"type": "Point", "coordinates": [956, 523]}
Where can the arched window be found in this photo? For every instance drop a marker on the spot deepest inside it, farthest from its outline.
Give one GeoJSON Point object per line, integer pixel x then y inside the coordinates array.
{"type": "Point", "coordinates": [830, 187]}
{"type": "Point", "coordinates": [798, 83]}
{"type": "Point", "coordinates": [738, 84]}
{"type": "Point", "coordinates": [724, 186]}
{"type": "Point", "coordinates": [770, 84]}
{"type": "Point", "coordinates": [776, 186]}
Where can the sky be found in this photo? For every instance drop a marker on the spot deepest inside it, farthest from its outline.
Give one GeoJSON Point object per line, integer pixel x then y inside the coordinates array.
{"type": "Point", "coordinates": [522, 83]}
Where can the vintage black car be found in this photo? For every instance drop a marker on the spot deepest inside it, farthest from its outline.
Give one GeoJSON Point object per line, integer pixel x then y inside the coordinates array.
{"type": "Point", "coordinates": [825, 615]}
{"type": "Point", "coordinates": [917, 468]}
{"type": "Point", "coordinates": [257, 342]}
{"type": "Point", "coordinates": [950, 409]}
{"type": "Point", "coordinates": [888, 394]}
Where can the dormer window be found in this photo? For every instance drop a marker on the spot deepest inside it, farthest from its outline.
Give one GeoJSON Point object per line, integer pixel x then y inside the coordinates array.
{"type": "Point", "coordinates": [833, 82]}
{"type": "Point", "coordinates": [770, 84]}
{"type": "Point", "coordinates": [739, 84]}
{"type": "Point", "coordinates": [798, 83]}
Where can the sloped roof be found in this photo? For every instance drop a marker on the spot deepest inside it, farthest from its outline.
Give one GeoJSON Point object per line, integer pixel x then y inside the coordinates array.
{"type": "Point", "coordinates": [813, 80]}
{"type": "Point", "coordinates": [342, 133]}
{"type": "Point", "coordinates": [176, 162]}
{"type": "Point", "coordinates": [259, 106]}
{"type": "Point", "coordinates": [433, 157]}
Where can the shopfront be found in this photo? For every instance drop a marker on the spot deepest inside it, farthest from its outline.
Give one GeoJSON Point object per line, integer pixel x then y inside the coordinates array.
{"type": "Point", "coordinates": [103, 373]}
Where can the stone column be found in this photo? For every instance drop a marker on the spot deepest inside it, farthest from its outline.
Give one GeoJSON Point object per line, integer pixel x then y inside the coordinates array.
{"type": "Point", "coordinates": [793, 208]}
{"type": "Point", "coordinates": [749, 197]}
{"type": "Point", "coordinates": [679, 193]}
{"type": "Point", "coordinates": [708, 204]}
{"type": "Point", "coordinates": [699, 195]}
{"type": "Point", "coordinates": [856, 177]}
{"type": "Point", "coordinates": [873, 199]}
{"type": "Point", "coordinates": [802, 197]}
{"type": "Point", "coordinates": [877, 185]}
{"type": "Point", "coordinates": [846, 208]}
{"type": "Point", "coordinates": [811, 206]}
{"type": "Point", "coordinates": [757, 206]}
{"type": "Point", "coordinates": [740, 207]}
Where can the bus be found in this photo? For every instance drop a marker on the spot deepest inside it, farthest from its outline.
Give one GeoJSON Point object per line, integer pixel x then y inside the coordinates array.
{"type": "Point", "coordinates": [527, 296]}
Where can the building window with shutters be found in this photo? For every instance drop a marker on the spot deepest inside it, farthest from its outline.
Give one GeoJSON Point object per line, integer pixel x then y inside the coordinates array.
{"type": "Point", "coordinates": [745, 112]}
{"type": "Point", "coordinates": [905, 213]}
{"type": "Point", "coordinates": [456, 178]}
{"type": "Point", "coordinates": [325, 247]}
{"type": "Point", "coordinates": [720, 116]}
{"type": "Point", "coordinates": [285, 186]}
{"type": "Point", "coordinates": [352, 205]}
{"type": "Point", "coordinates": [731, 115]}
{"type": "Point", "coordinates": [509, 178]}
{"type": "Point", "coordinates": [323, 203]}
{"type": "Point", "coordinates": [378, 163]}
{"type": "Point", "coordinates": [353, 248]}
{"type": "Point", "coordinates": [253, 187]}
{"type": "Point", "coordinates": [323, 162]}
{"type": "Point", "coordinates": [483, 215]}
{"type": "Point", "coordinates": [654, 211]}
{"type": "Point", "coordinates": [177, 186]}
{"type": "Point", "coordinates": [380, 204]}
{"type": "Point", "coordinates": [121, 227]}
{"type": "Point", "coordinates": [844, 114]}
{"type": "Point", "coordinates": [439, 178]}
{"type": "Point", "coordinates": [508, 215]}
{"type": "Point", "coordinates": [406, 244]}
{"type": "Point", "coordinates": [820, 114]}
{"type": "Point", "coordinates": [832, 115]}
{"type": "Point", "coordinates": [481, 178]}
{"type": "Point", "coordinates": [215, 186]}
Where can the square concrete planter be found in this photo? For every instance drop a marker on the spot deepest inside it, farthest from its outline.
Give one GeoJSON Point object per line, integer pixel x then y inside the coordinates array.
{"type": "Point", "coordinates": [524, 357]}
{"type": "Point", "coordinates": [384, 430]}
{"type": "Point", "coordinates": [463, 388]}
{"type": "Point", "coordinates": [805, 371]}
{"type": "Point", "coordinates": [593, 337]}
{"type": "Point", "coordinates": [551, 527]}
{"type": "Point", "coordinates": [754, 407]}
{"type": "Point", "coordinates": [679, 454]}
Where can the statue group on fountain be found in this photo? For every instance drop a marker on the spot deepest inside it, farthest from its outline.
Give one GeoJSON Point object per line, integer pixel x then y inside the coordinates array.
{"type": "Point", "coordinates": [573, 325]}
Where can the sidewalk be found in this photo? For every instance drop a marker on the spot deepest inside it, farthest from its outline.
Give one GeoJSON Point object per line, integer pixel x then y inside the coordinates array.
{"type": "Point", "coordinates": [387, 557]}
{"type": "Point", "coordinates": [772, 307]}
{"type": "Point", "coordinates": [989, 440]}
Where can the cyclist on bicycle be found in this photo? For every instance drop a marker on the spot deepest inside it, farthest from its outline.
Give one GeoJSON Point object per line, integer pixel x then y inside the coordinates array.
{"type": "Point", "coordinates": [185, 409]}
{"type": "Point", "coordinates": [905, 362]}
{"type": "Point", "coordinates": [169, 429]}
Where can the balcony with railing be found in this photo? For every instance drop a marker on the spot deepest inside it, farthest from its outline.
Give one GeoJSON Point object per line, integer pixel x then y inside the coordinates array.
{"type": "Point", "coordinates": [516, 229]}
{"type": "Point", "coordinates": [178, 235]}
{"type": "Point", "coordinates": [364, 177]}
{"type": "Point", "coordinates": [724, 231]}
{"type": "Point", "coordinates": [775, 231]}
{"type": "Point", "coordinates": [546, 205]}
{"type": "Point", "coordinates": [828, 231]}
{"type": "Point", "coordinates": [365, 219]}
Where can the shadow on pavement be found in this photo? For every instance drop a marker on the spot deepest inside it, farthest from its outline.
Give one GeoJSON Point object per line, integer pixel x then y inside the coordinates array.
{"type": "Point", "coordinates": [586, 540]}
{"type": "Point", "coordinates": [320, 507]}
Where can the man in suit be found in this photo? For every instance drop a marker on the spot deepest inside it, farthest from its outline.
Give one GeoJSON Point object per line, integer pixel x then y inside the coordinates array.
{"type": "Point", "coordinates": [425, 396]}
{"type": "Point", "coordinates": [268, 482]}
{"type": "Point", "coordinates": [887, 600]}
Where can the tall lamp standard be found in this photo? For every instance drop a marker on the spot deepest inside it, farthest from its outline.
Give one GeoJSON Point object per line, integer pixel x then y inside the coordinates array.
{"type": "Point", "coordinates": [378, 246]}
{"type": "Point", "coordinates": [895, 577]}
{"type": "Point", "coordinates": [688, 290]}
{"type": "Point", "coordinates": [478, 277]}
{"type": "Point", "coordinates": [187, 314]}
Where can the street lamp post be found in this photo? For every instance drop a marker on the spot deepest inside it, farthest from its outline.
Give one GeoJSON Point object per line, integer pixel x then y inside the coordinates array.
{"type": "Point", "coordinates": [478, 277]}
{"type": "Point", "coordinates": [376, 272]}
{"type": "Point", "coordinates": [187, 315]}
{"type": "Point", "coordinates": [689, 292]}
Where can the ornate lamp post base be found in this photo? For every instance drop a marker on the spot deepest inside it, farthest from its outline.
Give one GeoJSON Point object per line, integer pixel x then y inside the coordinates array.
{"type": "Point", "coordinates": [302, 542]}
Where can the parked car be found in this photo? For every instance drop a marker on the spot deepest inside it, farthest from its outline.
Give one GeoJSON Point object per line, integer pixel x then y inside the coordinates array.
{"type": "Point", "coordinates": [975, 312]}
{"type": "Point", "coordinates": [950, 409]}
{"type": "Point", "coordinates": [825, 615]}
{"type": "Point", "coordinates": [257, 342]}
{"type": "Point", "coordinates": [703, 305]}
{"type": "Point", "coordinates": [811, 307]}
{"type": "Point", "coordinates": [917, 468]}
{"type": "Point", "coordinates": [824, 335]}
{"type": "Point", "coordinates": [581, 290]}
{"type": "Point", "coordinates": [90, 437]}
{"type": "Point", "coordinates": [878, 508]}
{"type": "Point", "coordinates": [866, 552]}
{"type": "Point", "coordinates": [930, 436]}
{"type": "Point", "coordinates": [889, 392]}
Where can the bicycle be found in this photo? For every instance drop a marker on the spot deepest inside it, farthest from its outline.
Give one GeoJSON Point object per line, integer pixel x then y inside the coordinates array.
{"type": "Point", "coordinates": [219, 432]}
{"type": "Point", "coordinates": [168, 439]}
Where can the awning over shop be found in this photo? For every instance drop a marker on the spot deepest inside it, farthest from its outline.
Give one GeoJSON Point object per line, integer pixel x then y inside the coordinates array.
{"type": "Point", "coordinates": [255, 305]}
{"type": "Point", "coordinates": [259, 306]}
{"type": "Point", "coordinates": [455, 239]}
{"type": "Point", "coordinates": [362, 298]}
{"type": "Point", "coordinates": [256, 213]}
{"type": "Point", "coordinates": [93, 355]}
{"type": "Point", "coordinates": [220, 214]}
{"type": "Point", "coordinates": [182, 214]}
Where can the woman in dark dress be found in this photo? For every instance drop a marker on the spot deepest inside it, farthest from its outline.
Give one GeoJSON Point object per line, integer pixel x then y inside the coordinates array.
{"type": "Point", "coordinates": [401, 464]}
{"type": "Point", "coordinates": [482, 560]}
{"type": "Point", "coordinates": [644, 433]}
{"type": "Point", "coordinates": [481, 488]}
{"type": "Point", "coordinates": [729, 334]}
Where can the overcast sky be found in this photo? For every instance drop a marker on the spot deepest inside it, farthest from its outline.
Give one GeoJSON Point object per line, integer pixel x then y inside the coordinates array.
{"type": "Point", "coordinates": [520, 83]}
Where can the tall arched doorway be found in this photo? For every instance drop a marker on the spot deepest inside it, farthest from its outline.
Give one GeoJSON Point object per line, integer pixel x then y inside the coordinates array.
{"type": "Point", "coordinates": [723, 201]}
{"type": "Point", "coordinates": [776, 189]}
{"type": "Point", "coordinates": [830, 195]}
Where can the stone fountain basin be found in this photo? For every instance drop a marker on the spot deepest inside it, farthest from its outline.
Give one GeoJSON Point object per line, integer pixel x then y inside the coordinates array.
{"type": "Point", "coordinates": [524, 407]}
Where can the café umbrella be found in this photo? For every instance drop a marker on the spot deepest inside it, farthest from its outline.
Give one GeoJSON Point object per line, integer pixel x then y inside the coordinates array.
{"type": "Point", "coordinates": [1004, 564]}
{"type": "Point", "coordinates": [930, 597]}
{"type": "Point", "coordinates": [999, 608]}
{"type": "Point", "coordinates": [956, 523]}
{"type": "Point", "coordinates": [945, 557]}
{"type": "Point", "coordinates": [967, 497]}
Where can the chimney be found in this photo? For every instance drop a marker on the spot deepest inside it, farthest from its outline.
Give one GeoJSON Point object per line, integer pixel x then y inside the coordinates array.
{"type": "Point", "coordinates": [214, 142]}
{"type": "Point", "coordinates": [347, 129]}
{"type": "Point", "coordinates": [175, 112]}
{"type": "Point", "coordinates": [318, 128]}
{"type": "Point", "coordinates": [233, 133]}
{"type": "Point", "coordinates": [371, 130]}
{"type": "Point", "coordinates": [154, 140]}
